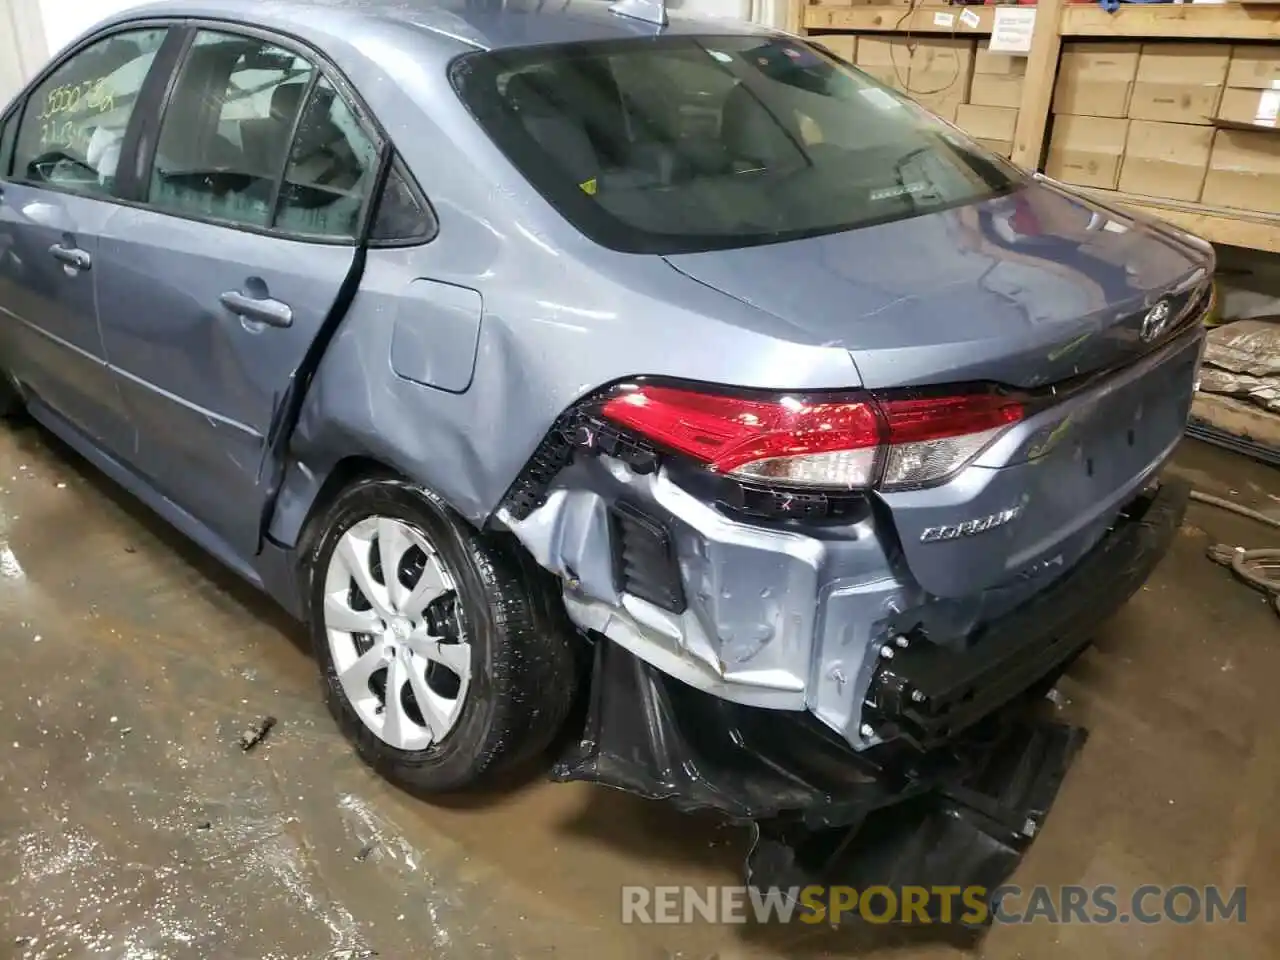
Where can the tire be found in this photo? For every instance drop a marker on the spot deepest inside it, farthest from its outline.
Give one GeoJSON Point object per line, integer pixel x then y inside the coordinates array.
{"type": "Point", "coordinates": [522, 662]}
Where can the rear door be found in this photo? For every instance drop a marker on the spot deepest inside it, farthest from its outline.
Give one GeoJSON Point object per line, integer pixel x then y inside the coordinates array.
{"type": "Point", "coordinates": [61, 150]}
{"type": "Point", "coordinates": [214, 286]}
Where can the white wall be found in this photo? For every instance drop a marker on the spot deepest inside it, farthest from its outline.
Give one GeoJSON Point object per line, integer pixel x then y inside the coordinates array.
{"type": "Point", "coordinates": [65, 20]}
{"type": "Point", "coordinates": [22, 44]}
{"type": "Point", "coordinates": [771, 13]}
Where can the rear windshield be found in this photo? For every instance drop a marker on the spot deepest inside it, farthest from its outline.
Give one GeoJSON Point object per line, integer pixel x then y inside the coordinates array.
{"type": "Point", "coordinates": [679, 144]}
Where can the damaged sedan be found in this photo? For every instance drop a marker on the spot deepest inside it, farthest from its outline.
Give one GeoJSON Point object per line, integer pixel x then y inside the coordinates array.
{"type": "Point", "coordinates": [669, 388]}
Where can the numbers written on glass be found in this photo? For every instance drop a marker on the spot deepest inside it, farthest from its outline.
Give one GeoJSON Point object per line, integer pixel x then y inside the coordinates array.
{"type": "Point", "coordinates": [57, 129]}
{"type": "Point", "coordinates": [92, 95]}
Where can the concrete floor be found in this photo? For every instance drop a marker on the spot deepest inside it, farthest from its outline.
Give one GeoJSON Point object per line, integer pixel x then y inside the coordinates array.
{"type": "Point", "coordinates": [132, 825]}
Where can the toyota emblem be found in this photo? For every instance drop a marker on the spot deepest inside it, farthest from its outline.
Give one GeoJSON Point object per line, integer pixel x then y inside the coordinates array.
{"type": "Point", "coordinates": [1155, 321]}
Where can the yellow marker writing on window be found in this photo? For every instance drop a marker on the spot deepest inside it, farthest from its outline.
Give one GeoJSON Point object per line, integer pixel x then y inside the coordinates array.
{"type": "Point", "coordinates": [589, 187]}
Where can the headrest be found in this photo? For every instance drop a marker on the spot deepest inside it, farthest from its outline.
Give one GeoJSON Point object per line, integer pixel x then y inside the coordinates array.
{"type": "Point", "coordinates": [749, 130]}
{"type": "Point", "coordinates": [287, 99]}
{"type": "Point", "coordinates": [529, 93]}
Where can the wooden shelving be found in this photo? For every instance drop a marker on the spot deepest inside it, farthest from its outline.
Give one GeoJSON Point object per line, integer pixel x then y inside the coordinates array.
{"type": "Point", "coordinates": [1057, 20]}
{"type": "Point", "coordinates": [873, 18]}
{"type": "Point", "coordinates": [1184, 21]}
{"type": "Point", "coordinates": [1240, 228]}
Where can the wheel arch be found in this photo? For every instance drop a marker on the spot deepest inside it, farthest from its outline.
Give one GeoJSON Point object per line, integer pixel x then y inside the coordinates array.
{"type": "Point", "coordinates": [306, 494]}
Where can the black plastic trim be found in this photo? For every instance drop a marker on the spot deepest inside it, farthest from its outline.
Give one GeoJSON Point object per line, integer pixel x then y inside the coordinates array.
{"type": "Point", "coordinates": [430, 228]}
{"type": "Point", "coordinates": [644, 559]}
{"type": "Point", "coordinates": [141, 139]}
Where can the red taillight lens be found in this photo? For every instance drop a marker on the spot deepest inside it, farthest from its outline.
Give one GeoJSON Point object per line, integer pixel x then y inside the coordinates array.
{"type": "Point", "coordinates": [837, 444]}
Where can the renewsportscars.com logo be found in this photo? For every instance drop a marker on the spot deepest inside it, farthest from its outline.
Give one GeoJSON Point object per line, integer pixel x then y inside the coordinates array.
{"type": "Point", "coordinates": [971, 906]}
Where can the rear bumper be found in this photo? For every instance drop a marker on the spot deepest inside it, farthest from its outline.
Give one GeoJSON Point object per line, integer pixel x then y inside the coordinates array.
{"type": "Point", "coordinates": [772, 617]}
{"type": "Point", "coordinates": [954, 800]}
{"type": "Point", "coordinates": [658, 737]}
{"type": "Point", "coordinates": [927, 693]}
{"type": "Point", "coordinates": [822, 813]}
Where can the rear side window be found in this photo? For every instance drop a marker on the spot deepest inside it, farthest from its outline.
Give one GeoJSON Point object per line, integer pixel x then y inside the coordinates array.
{"type": "Point", "coordinates": [255, 135]}
{"type": "Point", "coordinates": [74, 123]}
{"type": "Point", "coordinates": [679, 144]}
{"type": "Point", "coordinates": [331, 169]}
{"type": "Point", "coordinates": [403, 215]}
{"type": "Point", "coordinates": [227, 129]}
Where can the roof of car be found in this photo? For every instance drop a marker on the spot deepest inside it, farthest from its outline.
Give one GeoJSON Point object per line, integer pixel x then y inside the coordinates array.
{"type": "Point", "coordinates": [487, 24]}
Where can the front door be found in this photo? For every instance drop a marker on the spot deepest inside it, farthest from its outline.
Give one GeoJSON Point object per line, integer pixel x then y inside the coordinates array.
{"type": "Point", "coordinates": [54, 203]}
{"type": "Point", "coordinates": [213, 290]}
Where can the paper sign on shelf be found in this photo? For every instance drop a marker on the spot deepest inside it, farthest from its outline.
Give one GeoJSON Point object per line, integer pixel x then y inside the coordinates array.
{"type": "Point", "coordinates": [1012, 28]}
{"type": "Point", "coordinates": [1268, 108]}
{"type": "Point", "coordinates": [970, 19]}
{"type": "Point", "coordinates": [941, 19]}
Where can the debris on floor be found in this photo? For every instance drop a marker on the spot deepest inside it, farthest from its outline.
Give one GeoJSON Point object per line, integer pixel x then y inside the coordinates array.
{"type": "Point", "coordinates": [1238, 399]}
{"type": "Point", "coordinates": [255, 734]}
{"type": "Point", "coordinates": [1258, 568]}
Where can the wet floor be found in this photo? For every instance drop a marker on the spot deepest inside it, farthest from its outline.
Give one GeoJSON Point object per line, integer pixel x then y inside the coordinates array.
{"type": "Point", "coordinates": [132, 825]}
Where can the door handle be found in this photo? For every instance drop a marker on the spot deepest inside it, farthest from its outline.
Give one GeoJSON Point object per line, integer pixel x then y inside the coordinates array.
{"type": "Point", "coordinates": [271, 312]}
{"type": "Point", "coordinates": [71, 256]}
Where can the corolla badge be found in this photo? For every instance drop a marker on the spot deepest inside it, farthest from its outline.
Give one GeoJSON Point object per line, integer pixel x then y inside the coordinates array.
{"type": "Point", "coordinates": [1154, 323]}
{"type": "Point", "coordinates": [970, 527]}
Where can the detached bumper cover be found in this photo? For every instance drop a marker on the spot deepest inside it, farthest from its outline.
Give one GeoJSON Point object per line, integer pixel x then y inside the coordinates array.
{"type": "Point", "coordinates": [953, 798]}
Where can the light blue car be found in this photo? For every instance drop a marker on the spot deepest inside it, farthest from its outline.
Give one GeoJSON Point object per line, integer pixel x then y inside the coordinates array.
{"type": "Point", "coordinates": [489, 341]}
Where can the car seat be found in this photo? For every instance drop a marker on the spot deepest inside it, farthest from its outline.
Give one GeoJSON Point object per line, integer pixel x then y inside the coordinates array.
{"type": "Point", "coordinates": [753, 136]}
{"type": "Point", "coordinates": [265, 140]}
{"type": "Point", "coordinates": [554, 128]}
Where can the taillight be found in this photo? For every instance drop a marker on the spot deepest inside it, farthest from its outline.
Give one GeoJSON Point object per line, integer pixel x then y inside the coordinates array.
{"type": "Point", "coordinates": [931, 438]}
{"type": "Point", "coordinates": [841, 443]}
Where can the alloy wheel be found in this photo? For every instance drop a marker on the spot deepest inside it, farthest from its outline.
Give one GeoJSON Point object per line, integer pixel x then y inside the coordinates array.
{"type": "Point", "coordinates": [395, 632]}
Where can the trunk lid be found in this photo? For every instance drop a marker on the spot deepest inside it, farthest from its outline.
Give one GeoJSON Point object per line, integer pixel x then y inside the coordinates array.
{"type": "Point", "coordinates": [1044, 493]}
{"type": "Point", "coordinates": [1033, 289]}
{"type": "Point", "coordinates": [1027, 289]}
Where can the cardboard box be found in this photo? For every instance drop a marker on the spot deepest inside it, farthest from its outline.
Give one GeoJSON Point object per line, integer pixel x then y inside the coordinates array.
{"type": "Point", "coordinates": [1258, 107]}
{"type": "Point", "coordinates": [988, 123]}
{"type": "Point", "coordinates": [888, 59]}
{"type": "Point", "coordinates": [996, 90]}
{"type": "Point", "coordinates": [991, 64]}
{"type": "Point", "coordinates": [940, 74]}
{"type": "Point", "coordinates": [1003, 148]}
{"type": "Point", "coordinates": [1179, 82]}
{"type": "Point", "coordinates": [1254, 67]}
{"type": "Point", "coordinates": [883, 52]}
{"type": "Point", "coordinates": [1244, 171]}
{"type": "Point", "coordinates": [1086, 150]}
{"type": "Point", "coordinates": [1096, 79]}
{"type": "Point", "coordinates": [943, 54]}
{"type": "Point", "coordinates": [843, 45]}
{"type": "Point", "coordinates": [1165, 159]}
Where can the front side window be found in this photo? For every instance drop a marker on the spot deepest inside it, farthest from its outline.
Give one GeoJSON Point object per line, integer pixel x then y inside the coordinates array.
{"type": "Point", "coordinates": [74, 122]}
{"type": "Point", "coordinates": [686, 143]}
{"type": "Point", "coordinates": [227, 129]}
{"type": "Point", "coordinates": [331, 170]}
